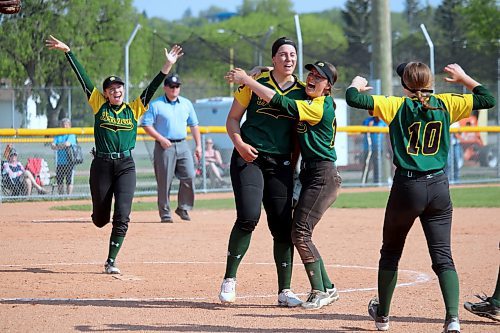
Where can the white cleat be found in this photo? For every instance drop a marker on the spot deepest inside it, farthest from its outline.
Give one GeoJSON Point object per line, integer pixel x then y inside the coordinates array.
{"type": "Point", "coordinates": [227, 293]}
{"type": "Point", "coordinates": [287, 298]}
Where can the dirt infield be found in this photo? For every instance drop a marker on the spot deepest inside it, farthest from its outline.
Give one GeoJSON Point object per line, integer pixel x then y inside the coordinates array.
{"type": "Point", "coordinates": [51, 274]}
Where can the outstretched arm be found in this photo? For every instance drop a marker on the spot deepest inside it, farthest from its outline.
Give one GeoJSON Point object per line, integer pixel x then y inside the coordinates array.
{"type": "Point", "coordinates": [171, 58]}
{"type": "Point", "coordinates": [482, 98]}
{"type": "Point", "coordinates": [54, 44]}
{"type": "Point", "coordinates": [357, 100]}
{"type": "Point", "coordinates": [239, 76]}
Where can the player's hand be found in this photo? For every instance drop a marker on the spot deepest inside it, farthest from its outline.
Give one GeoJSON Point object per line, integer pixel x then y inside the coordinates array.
{"type": "Point", "coordinates": [360, 83]}
{"type": "Point", "coordinates": [259, 69]}
{"type": "Point", "coordinates": [54, 44]}
{"type": "Point", "coordinates": [174, 54]}
{"type": "Point", "coordinates": [456, 73]}
{"type": "Point", "coordinates": [247, 152]}
{"type": "Point", "coordinates": [236, 75]}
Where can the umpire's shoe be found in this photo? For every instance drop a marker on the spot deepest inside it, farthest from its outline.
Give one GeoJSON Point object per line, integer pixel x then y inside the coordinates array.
{"type": "Point", "coordinates": [183, 214]}
{"type": "Point", "coordinates": [110, 268]}
{"type": "Point", "coordinates": [287, 298]}
{"type": "Point", "coordinates": [227, 293]}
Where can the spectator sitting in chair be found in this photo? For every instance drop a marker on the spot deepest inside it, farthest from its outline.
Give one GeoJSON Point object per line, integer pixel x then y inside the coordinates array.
{"type": "Point", "coordinates": [17, 178]}
{"type": "Point", "coordinates": [213, 163]}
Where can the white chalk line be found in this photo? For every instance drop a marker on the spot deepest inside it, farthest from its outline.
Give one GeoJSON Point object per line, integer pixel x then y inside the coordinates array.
{"type": "Point", "coordinates": [419, 277]}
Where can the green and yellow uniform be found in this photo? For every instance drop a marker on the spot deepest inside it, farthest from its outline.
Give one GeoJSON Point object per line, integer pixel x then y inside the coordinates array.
{"type": "Point", "coordinates": [112, 172]}
{"type": "Point", "coordinates": [420, 140]}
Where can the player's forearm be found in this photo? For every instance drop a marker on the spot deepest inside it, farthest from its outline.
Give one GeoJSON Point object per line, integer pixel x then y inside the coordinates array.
{"type": "Point", "coordinates": [81, 74]}
{"type": "Point", "coordinates": [357, 100]}
{"type": "Point", "coordinates": [233, 131]}
{"type": "Point", "coordinates": [482, 98]}
{"type": "Point", "coordinates": [150, 90]}
{"type": "Point", "coordinates": [262, 91]}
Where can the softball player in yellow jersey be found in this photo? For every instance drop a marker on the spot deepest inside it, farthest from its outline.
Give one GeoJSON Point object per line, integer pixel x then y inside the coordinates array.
{"type": "Point", "coordinates": [419, 127]}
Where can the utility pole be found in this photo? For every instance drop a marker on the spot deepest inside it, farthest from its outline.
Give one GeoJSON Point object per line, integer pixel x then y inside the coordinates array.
{"type": "Point", "coordinates": [382, 46]}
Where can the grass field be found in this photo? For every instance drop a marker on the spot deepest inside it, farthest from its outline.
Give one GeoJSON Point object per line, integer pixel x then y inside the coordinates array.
{"type": "Point", "coordinates": [462, 197]}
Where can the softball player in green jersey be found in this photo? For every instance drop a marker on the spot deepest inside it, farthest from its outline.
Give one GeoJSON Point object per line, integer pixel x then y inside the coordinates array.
{"type": "Point", "coordinates": [319, 176]}
{"type": "Point", "coordinates": [112, 173]}
{"type": "Point", "coordinates": [262, 171]}
{"type": "Point", "coordinates": [419, 133]}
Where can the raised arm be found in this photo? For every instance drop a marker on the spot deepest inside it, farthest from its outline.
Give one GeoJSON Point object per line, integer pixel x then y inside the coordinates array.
{"type": "Point", "coordinates": [239, 76]}
{"type": "Point", "coordinates": [482, 98]}
{"type": "Point", "coordinates": [171, 58]}
{"type": "Point", "coordinates": [353, 96]}
{"type": "Point", "coordinates": [54, 44]}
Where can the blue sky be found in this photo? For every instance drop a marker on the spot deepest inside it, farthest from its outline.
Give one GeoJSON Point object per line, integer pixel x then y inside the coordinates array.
{"type": "Point", "coordinates": [173, 10]}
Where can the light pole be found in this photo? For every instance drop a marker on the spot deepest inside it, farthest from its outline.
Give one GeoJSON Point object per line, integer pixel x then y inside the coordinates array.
{"type": "Point", "coordinates": [127, 46]}
{"type": "Point", "coordinates": [299, 44]}
{"type": "Point", "coordinates": [431, 51]}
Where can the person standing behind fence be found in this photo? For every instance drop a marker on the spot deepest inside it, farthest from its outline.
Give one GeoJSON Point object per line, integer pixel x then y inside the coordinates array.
{"type": "Point", "coordinates": [112, 172]}
{"type": "Point", "coordinates": [373, 145]}
{"type": "Point", "coordinates": [65, 170]}
{"type": "Point", "coordinates": [419, 131]}
{"type": "Point", "coordinates": [166, 121]}
{"type": "Point", "coordinates": [262, 171]}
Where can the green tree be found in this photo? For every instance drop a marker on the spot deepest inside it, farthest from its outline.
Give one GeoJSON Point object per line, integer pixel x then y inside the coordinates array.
{"type": "Point", "coordinates": [93, 36]}
{"type": "Point", "coordinates": [275, 8]}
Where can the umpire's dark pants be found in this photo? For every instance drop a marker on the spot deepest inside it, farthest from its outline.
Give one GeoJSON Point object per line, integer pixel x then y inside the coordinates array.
{"type": "Point", "coordinates": [426, 197]}
{"type": "Point", "coordinates": [267, 180]}
{"type": "Point", "coordinates": [320, 185]}
{"type": "Point", "coordinates": [110, 178]}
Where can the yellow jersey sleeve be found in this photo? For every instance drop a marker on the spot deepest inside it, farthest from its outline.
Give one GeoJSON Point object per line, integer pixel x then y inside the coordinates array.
{"type": "Point", "coordinates": [311, 111]}
{"type": "Point", "coordinates": [386, 108]}
{"type": "Point", "coordinates": [458, 105]}
{"type": "Point", "coordinates": [243, 95]}
{"type": "Point", "coordinates": [137, 108]}
{"type": "Point", "coordinates": [96, 100]}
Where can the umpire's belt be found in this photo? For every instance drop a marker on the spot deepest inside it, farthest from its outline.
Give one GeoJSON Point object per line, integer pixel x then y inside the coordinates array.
{"type": "Point", "coordinates": [114, 155]}
{"type": "Point", "coordinates": [418, 174]}
{"type": "Point", "coordinates": [176, 140]}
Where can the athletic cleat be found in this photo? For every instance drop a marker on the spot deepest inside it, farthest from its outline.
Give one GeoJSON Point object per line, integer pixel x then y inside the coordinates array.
{"type": "Point", "coordinates": [110, 268]}
{"type": "Point", "coordinates": [484, 308]}
{"type": "Point", "coordinates": [381, 322]}
{"type": "Point", "coordinates": [227, 293]}
{"type": "Point", "coordinates": [316, 300]}
{"type": "Point", "coordinates": [451, 325]}
{"type": "Point", "coordinates": [333, 295]}
{"type": "Point", "coordinates": [287, 298]}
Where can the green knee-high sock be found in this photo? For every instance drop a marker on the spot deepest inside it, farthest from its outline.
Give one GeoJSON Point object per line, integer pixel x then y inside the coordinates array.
{"type": "Point", "coordinates": [313, 271]}
{"type": "Point", "coordinates": [495, 299]}
{"type": "Point", "coordinates": [327, 284]}
{"type": "Point", "coordinates": [386, 284]}
{"type": "Point", "coordinates": [448, 281]}
{"type": "Point", "coordinates": [283, 258]}
{"type": "Point", "coordinates": [115, 244]}
{"type": "Point", "coordinates": [239, 241]}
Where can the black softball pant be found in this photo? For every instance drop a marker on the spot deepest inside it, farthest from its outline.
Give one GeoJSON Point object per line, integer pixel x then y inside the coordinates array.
{"type": "Point", "coordinates": [320, 185]}
{"type": "Point", "coordinates": [110, 178]}
{"type": "Point", "coordinates": [426, 197]}
{"type": "Point", "coordinates": [268, 180]}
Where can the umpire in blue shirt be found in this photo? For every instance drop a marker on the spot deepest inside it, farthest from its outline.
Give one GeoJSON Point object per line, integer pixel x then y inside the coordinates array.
{"type": "Point", "coordinates": [166, 121]}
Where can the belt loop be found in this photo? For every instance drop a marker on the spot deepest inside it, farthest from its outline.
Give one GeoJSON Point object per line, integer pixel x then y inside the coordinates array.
{"type": "Point", "coordinates": [410, 174]}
